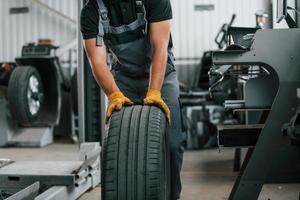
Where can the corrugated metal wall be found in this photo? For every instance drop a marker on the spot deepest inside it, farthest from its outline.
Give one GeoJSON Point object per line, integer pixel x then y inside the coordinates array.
{"type": "Point", "coordinates": [18, 29]}
{"type": "Point", "coordinates": [194, 30]}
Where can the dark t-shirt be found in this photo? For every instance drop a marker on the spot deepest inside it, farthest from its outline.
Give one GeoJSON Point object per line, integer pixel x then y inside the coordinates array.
{"type": "Point", "coordinates": [120, 13]}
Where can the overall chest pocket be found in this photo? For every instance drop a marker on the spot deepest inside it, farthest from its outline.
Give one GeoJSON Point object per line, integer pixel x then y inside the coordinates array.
{"type": "Point", "coordinates": [128, 12]}
{"type": "Point", "coordinates": [134, 54]}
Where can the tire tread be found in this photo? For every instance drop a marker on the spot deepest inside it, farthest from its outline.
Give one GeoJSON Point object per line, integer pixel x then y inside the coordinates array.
{"type": "Point", "coordinates": [132, 155]}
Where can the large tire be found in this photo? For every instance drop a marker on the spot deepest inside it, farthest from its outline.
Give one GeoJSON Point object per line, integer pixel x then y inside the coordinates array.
{"type": "Point", "coordinates": [25, 95]}
{"type": "Point", "coordinates": [136, 156]}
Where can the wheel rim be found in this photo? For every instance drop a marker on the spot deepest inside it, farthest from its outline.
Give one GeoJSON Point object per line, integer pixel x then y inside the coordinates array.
{"type": "Point", "coordinates": [33, 95]}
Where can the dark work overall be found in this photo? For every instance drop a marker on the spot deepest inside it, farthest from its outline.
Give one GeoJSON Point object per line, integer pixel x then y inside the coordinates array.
{"type": "Point", "coordinates": [131, 73]}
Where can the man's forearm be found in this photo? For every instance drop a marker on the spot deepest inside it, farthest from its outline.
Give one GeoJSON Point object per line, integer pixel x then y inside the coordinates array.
{"type": "Point", "coordinates": [101, 72]}
{"type": "Point", "coordinates": [104, 78]}
{"type": "Point", "coordinates": [158, 69]}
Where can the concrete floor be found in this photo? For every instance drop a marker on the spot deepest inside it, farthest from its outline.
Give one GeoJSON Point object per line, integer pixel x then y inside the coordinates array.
{"type": "Point", "coordinates": [206, 175]}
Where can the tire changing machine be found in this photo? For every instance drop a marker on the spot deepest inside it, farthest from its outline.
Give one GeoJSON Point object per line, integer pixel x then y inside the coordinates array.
{"type": "Point", "coordinates": [271, 157]}
{"type": "Point", "coordinates": [35, 130]}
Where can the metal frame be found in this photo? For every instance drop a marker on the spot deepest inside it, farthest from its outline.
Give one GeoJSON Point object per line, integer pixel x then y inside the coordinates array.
{"type": "Point", "coordinates": [11, 134]}
{"type": "Point", "coordinates": [26, 194]}
{"type": "Point", "coordinates": [65, 181]}
{"type": "Point", "coordinates": [277, 160]}
{"type": "Point", "coordinates": [298, 8]}
{"type": "Point", "coordinates": [91, 99]}
{"type": "Point", "coordinates": [80, 77]}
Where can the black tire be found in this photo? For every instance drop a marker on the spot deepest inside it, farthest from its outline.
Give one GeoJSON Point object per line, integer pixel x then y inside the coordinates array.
{"type": "Point", "coordinates": [136, 156]}
{"type": "Point", "coordinates": [18, 101]}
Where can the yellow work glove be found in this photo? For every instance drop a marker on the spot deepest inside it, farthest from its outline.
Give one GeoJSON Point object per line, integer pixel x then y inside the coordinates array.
{"type": "Point", "coordinates": [153, 97]}
{"type": "Point", "coordinates": [115, 102]}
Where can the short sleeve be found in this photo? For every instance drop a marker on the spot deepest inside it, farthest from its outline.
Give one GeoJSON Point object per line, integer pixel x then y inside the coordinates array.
{"type": "Point", "coordinates": [159, 10]}
{"type": "Point", "coordinates": [89, 19]}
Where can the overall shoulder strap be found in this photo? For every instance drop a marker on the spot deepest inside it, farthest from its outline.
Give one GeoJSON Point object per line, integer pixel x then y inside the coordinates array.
{"type": "Point", "coordinates": [141, 13]}
{"type": "Point", "coordinates": [139, 6]}
{"type": "Point", "coordinates": [103, 22]}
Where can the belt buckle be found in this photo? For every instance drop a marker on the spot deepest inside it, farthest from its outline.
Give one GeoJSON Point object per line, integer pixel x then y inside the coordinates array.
{"type": "Point", "coordinates": [104, 14]}
{"type": "Point", "coordinates": [139, 3]}
{"type": "Point", "coordinates": [139, 6]}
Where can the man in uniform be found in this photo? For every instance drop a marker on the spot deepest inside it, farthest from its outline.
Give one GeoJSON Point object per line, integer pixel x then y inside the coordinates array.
{"type": "Point", "coordinates": [137, 33]}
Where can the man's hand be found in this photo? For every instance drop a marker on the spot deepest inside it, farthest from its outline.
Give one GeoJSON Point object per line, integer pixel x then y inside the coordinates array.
{"type": "Point", "coordinates": [115, 102]}
{"type": "Point", "coordinates": [153, 97]}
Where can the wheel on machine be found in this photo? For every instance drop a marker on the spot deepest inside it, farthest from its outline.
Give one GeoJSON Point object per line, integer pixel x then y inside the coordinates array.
{"type": "Point", "coordinates": [25, 95]}
{"type": "Point", "coordinates": [136, 164]}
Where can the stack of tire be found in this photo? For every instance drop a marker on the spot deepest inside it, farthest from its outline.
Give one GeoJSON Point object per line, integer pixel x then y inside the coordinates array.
{"type": "Point", "coordinates": [135, 156]}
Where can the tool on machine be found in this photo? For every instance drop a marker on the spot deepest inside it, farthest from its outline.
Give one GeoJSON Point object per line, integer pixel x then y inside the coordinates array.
{"type": "Point", "coordinates": [221, 38]}
{"type": "Point", "coordinates": [292, 129]}
{"type": "Point", "coordinates": [5, 72]}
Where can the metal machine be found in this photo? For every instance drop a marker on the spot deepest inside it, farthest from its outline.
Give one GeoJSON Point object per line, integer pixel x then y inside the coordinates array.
{"type": "Point", "coordinates": [270, 67]}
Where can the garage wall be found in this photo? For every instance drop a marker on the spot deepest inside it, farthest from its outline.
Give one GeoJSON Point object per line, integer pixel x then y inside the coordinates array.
{"type": "Point", "coordinates": [18, 29]}
{"type": "Point", "coordinates": [193, 30]}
